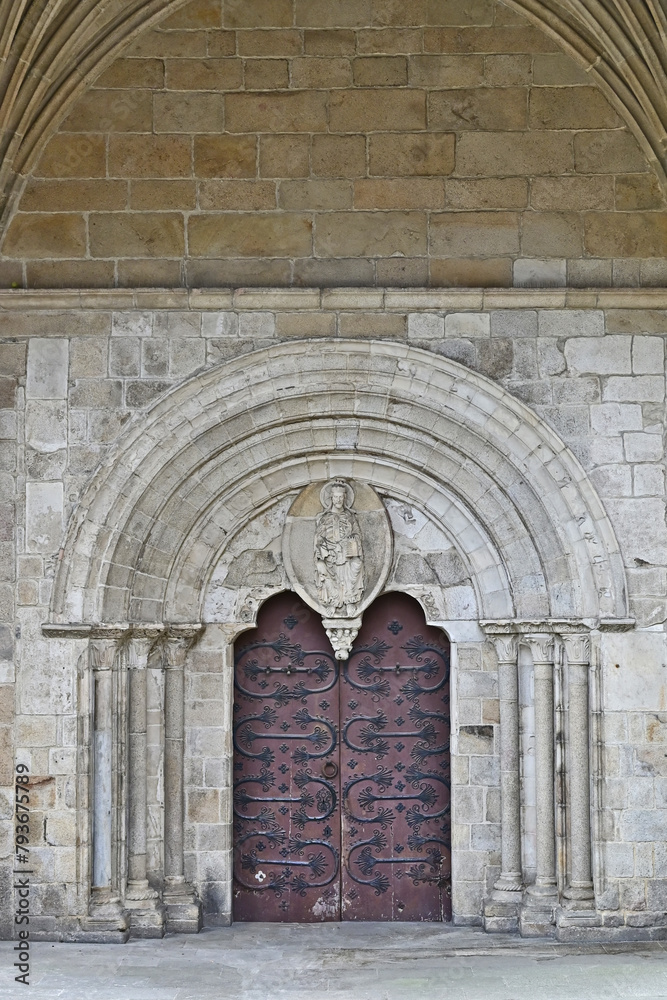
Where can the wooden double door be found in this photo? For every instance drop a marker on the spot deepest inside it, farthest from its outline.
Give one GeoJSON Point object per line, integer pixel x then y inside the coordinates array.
{"type": "Point", "coordinates": [342, 770]}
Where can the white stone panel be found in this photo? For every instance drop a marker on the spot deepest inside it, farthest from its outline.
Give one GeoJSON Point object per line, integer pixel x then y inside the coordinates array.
{"type": "Point", "coordinates": [634, 670]}
{"type": "Point", "coordinates": [640, 389]}
{"type": "Point", "coordinates": [425, 326]}
{"type": "Point", "coordinates": [468, 325]}
{"type": "Point", "coordinates": [604, 356]}
{"type": "Point", "coordinates": [643, 447]}
{"type": "Point", "coordinates": [532, 272]}
{"type": "Point", "coordinates": [610, 418]}
{"type": "Point", "coordinates": [44, 516]}
{"type": "Point", "coordinates": [47, 371]}
{"type": "Point", "coordinates": [648, 356]}
{"type": "Point", "coordinates": [46, 425]}
{"type": "Point", "coordinates": [571, 323]}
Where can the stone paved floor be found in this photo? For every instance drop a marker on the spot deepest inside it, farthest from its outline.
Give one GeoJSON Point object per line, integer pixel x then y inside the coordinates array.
{"type": "Point", "coordinates": [339, 962]}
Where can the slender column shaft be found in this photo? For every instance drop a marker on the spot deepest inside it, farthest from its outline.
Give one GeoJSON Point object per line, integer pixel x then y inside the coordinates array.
{"type": "Point", "coordinates": [510, 875]}
{"type": "Point", "coordinates": [542, 649]}
{"type": "Point", "coordinates": [577, 649]}
{"type": "Point", "coordinates": [137, 717]}
{"type": "Point", "coordinates": [102, 654]}
{"type": "Point", "coordinates": [176, 651]}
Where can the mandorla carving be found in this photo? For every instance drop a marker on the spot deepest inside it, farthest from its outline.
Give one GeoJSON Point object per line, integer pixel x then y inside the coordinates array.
{"type": "Point", "coordinates": [338, 552]}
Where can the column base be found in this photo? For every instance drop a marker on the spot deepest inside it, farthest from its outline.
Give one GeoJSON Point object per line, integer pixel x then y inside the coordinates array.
{"type": "Point", "coordinates": [145, 910]}
{"type": "Point", "coordinates": [106, 922]}
{"type": "Point", "coordinates": [579, 897]}
{"type": "Point", "coordinates": [182, 906]}
{"type": "Point", "coordinates": [537, 913]}
{"type": "Point", "coordinates": [577, 925]}
{"type": "Point", "coordinates": [500, 912]}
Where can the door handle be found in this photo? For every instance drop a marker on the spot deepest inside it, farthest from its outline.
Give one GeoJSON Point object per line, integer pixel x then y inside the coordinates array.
{"type": "Point", "coordinates": [329, 769]}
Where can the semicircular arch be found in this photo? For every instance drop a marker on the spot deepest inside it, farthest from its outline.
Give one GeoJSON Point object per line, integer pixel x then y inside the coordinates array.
{"type": "Point", "coordinates": [418, 427]}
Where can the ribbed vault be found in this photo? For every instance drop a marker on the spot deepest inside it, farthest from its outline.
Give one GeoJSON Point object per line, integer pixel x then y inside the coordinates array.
{"type": "Point", "coordinates": [236, 438]}
{"type": "Point", "coordinates": [51, 51]}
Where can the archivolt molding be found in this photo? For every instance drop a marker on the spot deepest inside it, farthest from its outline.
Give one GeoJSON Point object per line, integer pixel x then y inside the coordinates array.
{"type": "Point", "coordinates": [236, 438]}
{"type": "Point", "coordinates": [52, 50]}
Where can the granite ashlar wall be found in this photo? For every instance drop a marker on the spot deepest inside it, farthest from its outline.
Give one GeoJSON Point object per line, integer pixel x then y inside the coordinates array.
{"type": "Point", "coordinates": [308, 144]}
{"type": "Point", "coordinates": [78, 369]}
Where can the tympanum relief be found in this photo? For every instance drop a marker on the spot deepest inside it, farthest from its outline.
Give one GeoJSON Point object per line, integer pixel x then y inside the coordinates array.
{"type": "Point", "coordinates": [337, 548]}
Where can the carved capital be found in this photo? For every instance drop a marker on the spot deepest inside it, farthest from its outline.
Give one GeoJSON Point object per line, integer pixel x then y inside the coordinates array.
{"type": "Point", "coordinates": [102, 653]}
{"type": "Point", "coordinates": [140, 644]}
{"type": "Point", "coordinates": [541, 647]}
{"type": "Point", "coordinates": [180, 640]}
{"type": "Point", "coordinates": [506, 648]}
{"type": "Point", "coordinates": [577, 648]}
{"type": "Point", "coordinates": [342, 632]}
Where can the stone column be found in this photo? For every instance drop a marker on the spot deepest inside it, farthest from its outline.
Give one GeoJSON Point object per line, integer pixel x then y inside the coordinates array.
{"type": "Point", "coordinates": [580, 888]}
{"type": "Point", "coordinates": [146, 911]}
{"type": "Point", "coordinates": [102, 655]}
{"type": "Point", "coordinates": [501, 909]}
{"type": "Point", "coordinates": [183, 908]}
{"type": "Point", "coordinates": [543, 894]}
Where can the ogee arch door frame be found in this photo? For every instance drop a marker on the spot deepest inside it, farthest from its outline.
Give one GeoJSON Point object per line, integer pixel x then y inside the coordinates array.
{"type": "Point", "coordinates": [342, 769]}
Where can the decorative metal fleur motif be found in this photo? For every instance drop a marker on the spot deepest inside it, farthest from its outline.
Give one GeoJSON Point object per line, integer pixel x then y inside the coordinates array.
{"type": "Point", "coordinates": [394, 627]}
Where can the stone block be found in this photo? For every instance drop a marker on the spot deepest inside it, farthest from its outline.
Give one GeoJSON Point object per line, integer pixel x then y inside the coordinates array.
{"type": "Point", "coordinates": [421, 154]}
{"type": "Point", "coordinates": [533, 273]}
{"type": "Point", "coordinates": [607, 153]}
{"type": "Point", "coordinates": [480, 108]}
{"type": "Point", "coordinates": [468, 804]}
{"type": "Point", "coordinates": [44, 516]}
{"type": "Point", "coordinates": [572, 323]}
{"type": "Point", "coordinates": [572, 194]}
{"type": "Point", "coordinates": [612, 418]}
{"type": "Point", "coordinates": [285, 155]}
{"type": "Point", "coordinates": [47, 369]}
{"type": "Point", "coordinates": [266, 74]}
{"type": "Point", "coordinates": [485, 836]}
{"type": "Point", "coordinates": [640, 234]}
{"type": "Point", "coordinates": [285, 42]}
{"type": "Point", "coordinates": [186, 356]}
{"type": "Point", "coordinates": [137, 234]}
{"type": "Point", "coordinates": [132, 324]}
{"type": "Point", "coordinates": [648, 356]}
{"type": "Point", "coordinates": [589, 273]}
{"type": "Point", "coordinates": [68, 155]}
{"type": "Point", "coordinates": [303, 325]}
{"type": "Point", "coordinates": [425, 326]}
{"type": "Point", "coordinates": [545, 233]}
{"type": "Point", "coordinates": [111, 111]}
{"type": "Point", "coordinates": [257, 324]}
{"type": "Point", "coordinates": [513, 323]}
{"type": "Point", "coordinates": [302, 111]}
{"type": "Point", "coordinates": [446, 70]}
{"type": "Point", "coordinates": [35, 731]}
{"type": "Point", "coordinates": [602, 356]}
{"type": "Point", "coordinates": [321, 72]}
{"type": "Point", "coordinates": [237, 195]}
{"type": "Point", "coordinates": [370, 234]}
{"type": "Point", "coordinates": [379, 325]}
{"type": "Point", "coordinates": [468, 325]}
{"type": "Point", "coordinates": [218, 75]}
{"type": "Point", "coordinates": [67, 195]}
{"type": "Point", "coordinates": [486, 193]}
{"type": "Point", "coordinates": [380, 71]}
{"type": "Point", "coordinates": [557, 69]}
{"type": "Point", "coordinates": [331, 42]}
{"type": "Point", "coordinates": [637, 192]}
{"type": "Point", "coordinates": [225, 156]}
{"type": "Point", "coordinates": [426, 192]}
{"type": "Point", "coordinates": [389, 40]}
{"type": "Point", "coordinates": [643, 447]}
{"type": "Point", "coordinates": [188, 112]}
{"type": "Point", "coordinates": [475, 272]}
{"type": "Point", "coordinates": [46, 425]}
{"type": "Point", "coordinates": [484, 771]}
{"type": "Point", "coordinates": [315, 195]}
{"type": "Point", "coordinates": [57, 234]}
{"type": "Point", "coordinates": [124, 356]}
{"type": "Point", "coordinates": [474, 234]}
{"type": "Point", "coordinates": [570, 108]}
{"type": "Point", "coordinates": [60, 828]}
{"type": "Point", "coordinates": [133, 73]}
{"type": "Point", "coordinates": [507, 70]}
{"type": "Point", "coordinates": [257, 14]}
{"type": "Point", "coordinates": [489, 153]}
{"type": "Point", "coordinates": [220, 324]}
{"type": "Point", "coordinates": [150, 156]}
{"type": "Point", "coordinates": [475, 739]}
{"type": "Point", "coordinates": [638, 388]}
{"type": "Point", "coordinates": [250, 235]}
{"type": "Point", "coordinates": [336, 156]}
{"type": "Point", "coordinates": [400, 110]}
{"type": "Point", "coordinates": [203, 805]}
{"type": "Point", "coordinates": [97, 393]}
{"type": "Point", "coordinates": [649, 480]}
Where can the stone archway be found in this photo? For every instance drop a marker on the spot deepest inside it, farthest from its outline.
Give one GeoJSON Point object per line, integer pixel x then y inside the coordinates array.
{"type": "Point", "coordinates": [222, 452]}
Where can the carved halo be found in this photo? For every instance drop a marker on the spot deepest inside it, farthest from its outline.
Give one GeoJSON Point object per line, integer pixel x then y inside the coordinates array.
{"type": "Point", "coordinates": [327, 489]}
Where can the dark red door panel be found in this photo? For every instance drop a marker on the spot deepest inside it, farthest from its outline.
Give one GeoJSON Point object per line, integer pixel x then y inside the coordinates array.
{"type": "Point", "coordinates": [286, 768]}
{"type": "Point", "coordinates": [395, 767]}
